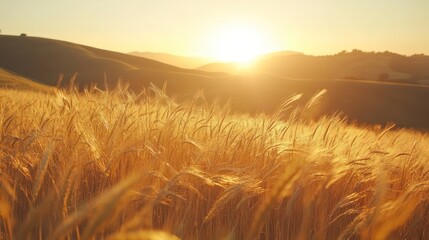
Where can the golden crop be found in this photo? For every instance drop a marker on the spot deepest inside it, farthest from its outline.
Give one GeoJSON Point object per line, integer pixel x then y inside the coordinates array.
{"type": "Point", "coordinates": [116, 165]}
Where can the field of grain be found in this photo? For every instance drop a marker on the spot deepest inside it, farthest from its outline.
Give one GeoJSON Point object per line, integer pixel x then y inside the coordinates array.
{"type": "Point", "coordinates": [117, 165]}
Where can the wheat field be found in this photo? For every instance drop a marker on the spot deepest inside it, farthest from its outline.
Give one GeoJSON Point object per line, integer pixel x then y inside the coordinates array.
{"type": "Point", "coordinates": [119, 165]}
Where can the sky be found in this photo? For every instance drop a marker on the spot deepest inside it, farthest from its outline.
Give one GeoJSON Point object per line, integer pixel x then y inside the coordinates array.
{"type": "Point", "coordinates": [200, 27]}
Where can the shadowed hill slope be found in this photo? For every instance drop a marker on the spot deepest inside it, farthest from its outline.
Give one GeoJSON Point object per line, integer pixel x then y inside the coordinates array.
{"type": "Point", "coordinates": [11, 80]}
{"type": "Point", "coordinates": [44, 60]}
{"type": "Point", "coordinates": [373, 102]}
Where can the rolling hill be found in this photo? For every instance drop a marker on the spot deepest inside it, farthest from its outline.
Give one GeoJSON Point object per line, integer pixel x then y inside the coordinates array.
{"type": "Point", "coordinates": [238, 68]}
{"type": "Point", "coordinates": [372, 102]}
{"type": "Point", "coordinates": [359, 65]}
{"type": "Point", "coordinates": [44, 60]}
{"type": "Point", "coordinates": [175, 60]}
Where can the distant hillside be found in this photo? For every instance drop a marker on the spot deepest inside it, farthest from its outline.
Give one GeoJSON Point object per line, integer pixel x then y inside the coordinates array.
{"type": "Point", "coordinates": [11, 80]}
{"type": "Point", "coordinates": [373, 102]}
{"type": "Point", "coordinates": [44, 60]}
{"type": "Point", "coordinates": [237, 68]}
{"type": "Point", "coordinates": [384, 66]}
{"type": "Point", "coordinates": [225, 67]}
{"type": "Point", "coordinates": [175, 60]}
{"type": "Point", "coordinates": [277, 54]}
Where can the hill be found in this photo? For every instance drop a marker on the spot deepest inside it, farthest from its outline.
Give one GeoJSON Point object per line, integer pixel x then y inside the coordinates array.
{"type": "Point", "coordinates": [44, 60]}
{"type": "Point", "coordinates": [360, 65]}
{"type": "Point", "coordinates": [175, 60]}
{"type": "Point", "coordinates": [225, 67]}
{"type": "Point", "coordinates": [277, 54]}
{"type": "Point", "coordinates": [238, 68]}
{"type": "Point", "coordinates": [14, 81]}
{"type": "Point", "coordinates": [372, 102]}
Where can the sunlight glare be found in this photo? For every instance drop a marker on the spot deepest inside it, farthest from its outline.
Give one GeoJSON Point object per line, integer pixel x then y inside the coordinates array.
{"type": "Point", "coordinates": [239, 44]}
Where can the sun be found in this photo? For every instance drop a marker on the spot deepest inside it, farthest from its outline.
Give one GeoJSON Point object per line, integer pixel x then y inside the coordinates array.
{"type": "Point", "coordinates": [239, 43]}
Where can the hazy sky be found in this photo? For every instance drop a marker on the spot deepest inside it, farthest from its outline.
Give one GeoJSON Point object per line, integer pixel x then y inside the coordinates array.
{"type": "Point", "coordinates": [187, 26]}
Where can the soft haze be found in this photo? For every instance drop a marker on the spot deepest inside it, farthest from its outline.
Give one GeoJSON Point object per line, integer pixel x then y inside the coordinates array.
{"type": "Point", "coordinates": [189, 27]}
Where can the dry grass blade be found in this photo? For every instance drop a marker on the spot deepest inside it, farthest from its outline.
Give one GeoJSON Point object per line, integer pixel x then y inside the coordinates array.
{"type": "Point", "coordinates": [315, 99]}
{"type": "Point", "coordinates": [6, 216]}
{"type": "Point", "coordinates": [222, 202]}
{"type": "Point", "coordinates": [7, 197]}
{"type": "Point", "coordinates": [286, 104]}
{"type": "Point", "coordinates": [104, 206]}
{"type": "Point", "coordinates": [144, 235]}
{"type": "Point", "coordinates": [60, 80]}
{"type": "Point", "coordinates": [390, 127]}
{"type": "Point", "coordinates": [69, 223]}
{"type": "Point", "coordinates": [31, 222]}
{"type": "Point", "coordinates": [41, 171]}
{"type": "Point", "coordinates": [142, 219]}
{"type": "Point", "coordinates": [387, 224]}
{"type": "Point", "coordinates": [6, 189]}
{"type": "Point", "coordinates": [280, 189]}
